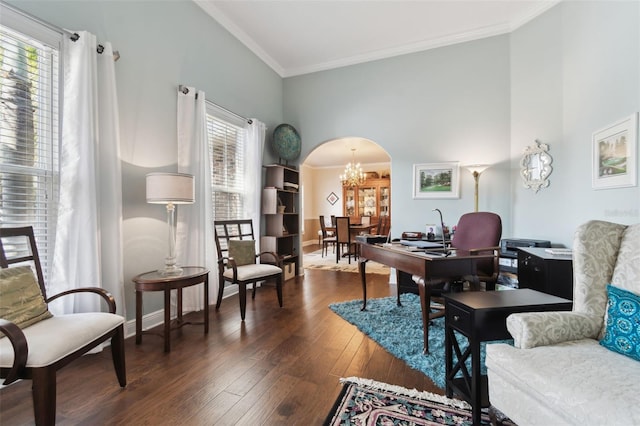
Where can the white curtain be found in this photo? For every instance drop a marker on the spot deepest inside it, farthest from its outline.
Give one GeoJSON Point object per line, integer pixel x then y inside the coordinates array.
{"type": "Point", "coordinates": [88, 243]}
{"type": "Point", "coordinates": [195, 244]}
{"type": "Point", "coordinates": [254, 146]}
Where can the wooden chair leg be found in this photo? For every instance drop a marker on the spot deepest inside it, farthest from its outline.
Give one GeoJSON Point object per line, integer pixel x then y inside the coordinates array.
{"type": "Point", "coordinates": [279, 289]}
{"type": "Point", "coordinates": [43, 388]}
{"type": "Point", "coordinates": [242, 297]}
{"type": "Point", "coordinates": [253, 292]}
{"type": "Point", "coordinates": [220, 291]}
{"type": "Point", "coordinates": [117, 353]}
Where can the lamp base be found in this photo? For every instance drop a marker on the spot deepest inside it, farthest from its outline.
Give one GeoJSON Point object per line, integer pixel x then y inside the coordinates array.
{"type": "Point", "coordinates": [170, 272]}
{"type": "Point", "coordinates": [170, 267]}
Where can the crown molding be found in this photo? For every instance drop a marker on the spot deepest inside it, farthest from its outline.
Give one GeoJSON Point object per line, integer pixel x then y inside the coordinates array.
{"type": "Point", "coordinates": [238, 33]}
{"type": "Point", "coordinates": [419, 46]}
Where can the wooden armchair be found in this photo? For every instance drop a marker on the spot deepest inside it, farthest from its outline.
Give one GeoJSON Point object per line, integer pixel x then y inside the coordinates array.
{"type": "Point", "coordinates": [36, 344]}
{"type": "Point", "coordinates": [237, 261]}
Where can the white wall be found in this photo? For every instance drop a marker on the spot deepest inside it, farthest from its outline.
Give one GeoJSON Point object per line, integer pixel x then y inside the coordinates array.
{"type": "Point", "coordinates": [574, 70]}
{"type": "Point", "coordinates": [447, 104]}
{"type": "Point", "coordinates": [569, 72]}
{"type": "Point", "coordinates": [163, 44]}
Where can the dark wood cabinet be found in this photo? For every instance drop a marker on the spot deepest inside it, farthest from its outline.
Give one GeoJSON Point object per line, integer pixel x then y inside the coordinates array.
{"type": "Point", "coordinates": [545, 272]}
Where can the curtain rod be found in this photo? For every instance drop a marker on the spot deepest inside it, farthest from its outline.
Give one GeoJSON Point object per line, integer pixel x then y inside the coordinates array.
{"type": "Point", "coordinates": [72, 35]}
{"type": "Point", "coordinates": [75, 37]}
{"type": "Point", "coordinates": [184, 89]}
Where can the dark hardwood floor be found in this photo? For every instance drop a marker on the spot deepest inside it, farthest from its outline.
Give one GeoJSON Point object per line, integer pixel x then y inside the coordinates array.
{"type": "Point", "coordinates": [280, 367]}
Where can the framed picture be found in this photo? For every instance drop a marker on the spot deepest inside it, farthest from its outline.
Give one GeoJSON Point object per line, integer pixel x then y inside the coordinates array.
{"type": "Point", "coordinates": [615, 161]}
{"type": "Point", "coordinates": [436, 180]}
{"type": "Point", "coordinates": [332, 198]}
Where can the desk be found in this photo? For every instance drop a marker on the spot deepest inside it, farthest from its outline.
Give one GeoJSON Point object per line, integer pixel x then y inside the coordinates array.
{"type": "Point", "coordinates": [155, 281]}
{"type": "Point", "coordinates": [420, 265]}
{"type": "Point", "coordinates": [481, 316]}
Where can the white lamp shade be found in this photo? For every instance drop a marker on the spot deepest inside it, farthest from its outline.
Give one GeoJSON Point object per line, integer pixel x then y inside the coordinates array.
{"type": "Point", "coordinates": [479, 168]}
{"type": "Point", "coordinates": [165, 188]}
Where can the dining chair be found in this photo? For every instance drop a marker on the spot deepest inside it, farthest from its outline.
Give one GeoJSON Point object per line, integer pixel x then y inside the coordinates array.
{"type": "Point", "coordinates": [237, 261]}
{"type": "Point", "coordinates": [36, 343]}
{"type": "Point", "coordinates": [383, 225]}
{"type": "Point", "coordinates": [328, 237]}
{"type": "Point", "coordinates": [343, 239]}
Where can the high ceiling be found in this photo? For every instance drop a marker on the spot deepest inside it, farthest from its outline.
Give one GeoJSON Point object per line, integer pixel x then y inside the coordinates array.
{"type": "Point", "coordinates": [301, 36]}
{"type": "Point", "coordinates": [296, 37]}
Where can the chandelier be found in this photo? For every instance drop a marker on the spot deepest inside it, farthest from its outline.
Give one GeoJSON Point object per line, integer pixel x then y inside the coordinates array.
{"type": "Point", "coordinates": [353, 174]}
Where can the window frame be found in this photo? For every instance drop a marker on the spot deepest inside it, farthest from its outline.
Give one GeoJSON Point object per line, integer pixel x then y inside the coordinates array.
{"type": "Point", "coordinates": [235, 186]}
{"type": "Point", "coordinates": [47, 124]}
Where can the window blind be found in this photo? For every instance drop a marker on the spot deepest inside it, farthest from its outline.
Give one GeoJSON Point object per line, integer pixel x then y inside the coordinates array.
{"type": "Point", "coordinates": [29, 129]}
{"type": "Point", "coordinates": [226, 136]}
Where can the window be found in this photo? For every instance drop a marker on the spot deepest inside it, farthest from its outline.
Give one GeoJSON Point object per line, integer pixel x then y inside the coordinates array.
{"type": "Point", "coordinates": [226, 137]}
{"type": "Point", "coordinates": [29, 105]}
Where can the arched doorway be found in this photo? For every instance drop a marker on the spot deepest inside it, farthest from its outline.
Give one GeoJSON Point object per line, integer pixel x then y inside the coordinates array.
{"type": "Point", "coordinates": [323, 192]}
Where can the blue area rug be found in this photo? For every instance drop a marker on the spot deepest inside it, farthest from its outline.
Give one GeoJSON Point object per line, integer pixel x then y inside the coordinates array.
{"type": "Point", "coordinates": [398, 329]}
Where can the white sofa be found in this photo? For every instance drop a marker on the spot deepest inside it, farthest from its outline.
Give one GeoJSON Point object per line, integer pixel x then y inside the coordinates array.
{"type": "Point", "coordinates": [557, 373]}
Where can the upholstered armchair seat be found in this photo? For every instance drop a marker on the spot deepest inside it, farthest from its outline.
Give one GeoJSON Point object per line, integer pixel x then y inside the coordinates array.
{"type": "Point", "coordinates": [34, 343]}
{"type": "Point", "coordinates": [44, 340]}
{"type": "Point", "coordinates": [255, 271]}
{"type": "Point", "coordinates": [557, 372]}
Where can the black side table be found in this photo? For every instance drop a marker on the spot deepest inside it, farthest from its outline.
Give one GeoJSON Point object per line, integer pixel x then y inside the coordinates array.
{"type": "Point", "coordinates": [481, 316]}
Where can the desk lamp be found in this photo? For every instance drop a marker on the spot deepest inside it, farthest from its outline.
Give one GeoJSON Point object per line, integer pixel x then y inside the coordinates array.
{"type": "Point", "coordinates": [170, 189]}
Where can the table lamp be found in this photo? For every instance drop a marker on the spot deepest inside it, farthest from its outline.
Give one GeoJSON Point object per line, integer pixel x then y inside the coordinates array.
{"type": "Point", "coordinates": [170, 189]}
{"type": "Point", "coordinates": [476, 170]}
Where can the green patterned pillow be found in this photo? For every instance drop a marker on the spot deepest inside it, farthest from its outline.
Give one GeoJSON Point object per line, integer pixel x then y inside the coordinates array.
{"type": "Point", "coordinates": [243, 251]}
{"type": "Point", "coordinates": [622, 333]}
{"type": "Point", "coordinates": [21, 301]}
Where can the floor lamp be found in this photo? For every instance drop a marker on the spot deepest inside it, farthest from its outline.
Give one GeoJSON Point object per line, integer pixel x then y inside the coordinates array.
{"type": "Point", "coordinates": [170, 189]}
{"type": "Point", "coordinates": [476, 170]}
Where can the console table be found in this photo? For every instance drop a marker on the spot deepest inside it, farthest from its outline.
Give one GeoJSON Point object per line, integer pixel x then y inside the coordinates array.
{"type": "Point", "coordinates": [481, 316]}
{"type": "Point", "coordinates": [156, 281]}
{"type": "Point", "coordinates": [422, 266]}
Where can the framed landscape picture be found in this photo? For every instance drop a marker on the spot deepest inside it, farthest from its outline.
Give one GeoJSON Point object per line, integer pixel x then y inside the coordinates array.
{"type": "Point", "coordinates": [436, 180]}
{"type": "Point", "coordinates": [614, 155]}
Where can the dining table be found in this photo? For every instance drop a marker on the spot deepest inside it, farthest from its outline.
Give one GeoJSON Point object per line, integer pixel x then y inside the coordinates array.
{"type": "Point", "coordinates": [356, 228]}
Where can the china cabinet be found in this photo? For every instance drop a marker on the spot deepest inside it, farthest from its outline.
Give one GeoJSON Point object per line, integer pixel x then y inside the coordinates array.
{"type": "Point", "coordinates": [372, 198]}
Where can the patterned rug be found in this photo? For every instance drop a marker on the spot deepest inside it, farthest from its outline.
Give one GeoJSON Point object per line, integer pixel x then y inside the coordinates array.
{"type": "Point", "coordinates": [315, 260]}
{"type": "Point", "coordinates": [366, 402]}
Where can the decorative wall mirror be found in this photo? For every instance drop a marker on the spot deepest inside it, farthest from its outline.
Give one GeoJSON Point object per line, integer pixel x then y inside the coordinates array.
{"type": "Point", "coordinates": [535, 166]}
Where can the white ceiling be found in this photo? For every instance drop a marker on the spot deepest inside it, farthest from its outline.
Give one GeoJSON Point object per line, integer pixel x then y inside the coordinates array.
{"type": "Point", "coordinates": [301, 36]}
{"type": "Point", "coordinates": [297, 37]}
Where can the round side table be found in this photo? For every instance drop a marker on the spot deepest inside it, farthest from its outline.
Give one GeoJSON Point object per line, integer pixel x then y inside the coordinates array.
{"type": "Point", "coordinates": [156, 281]}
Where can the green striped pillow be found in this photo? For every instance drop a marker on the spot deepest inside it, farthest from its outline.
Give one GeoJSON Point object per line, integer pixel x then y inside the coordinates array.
{"type": "Point", "coordinates": [21, 301]}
